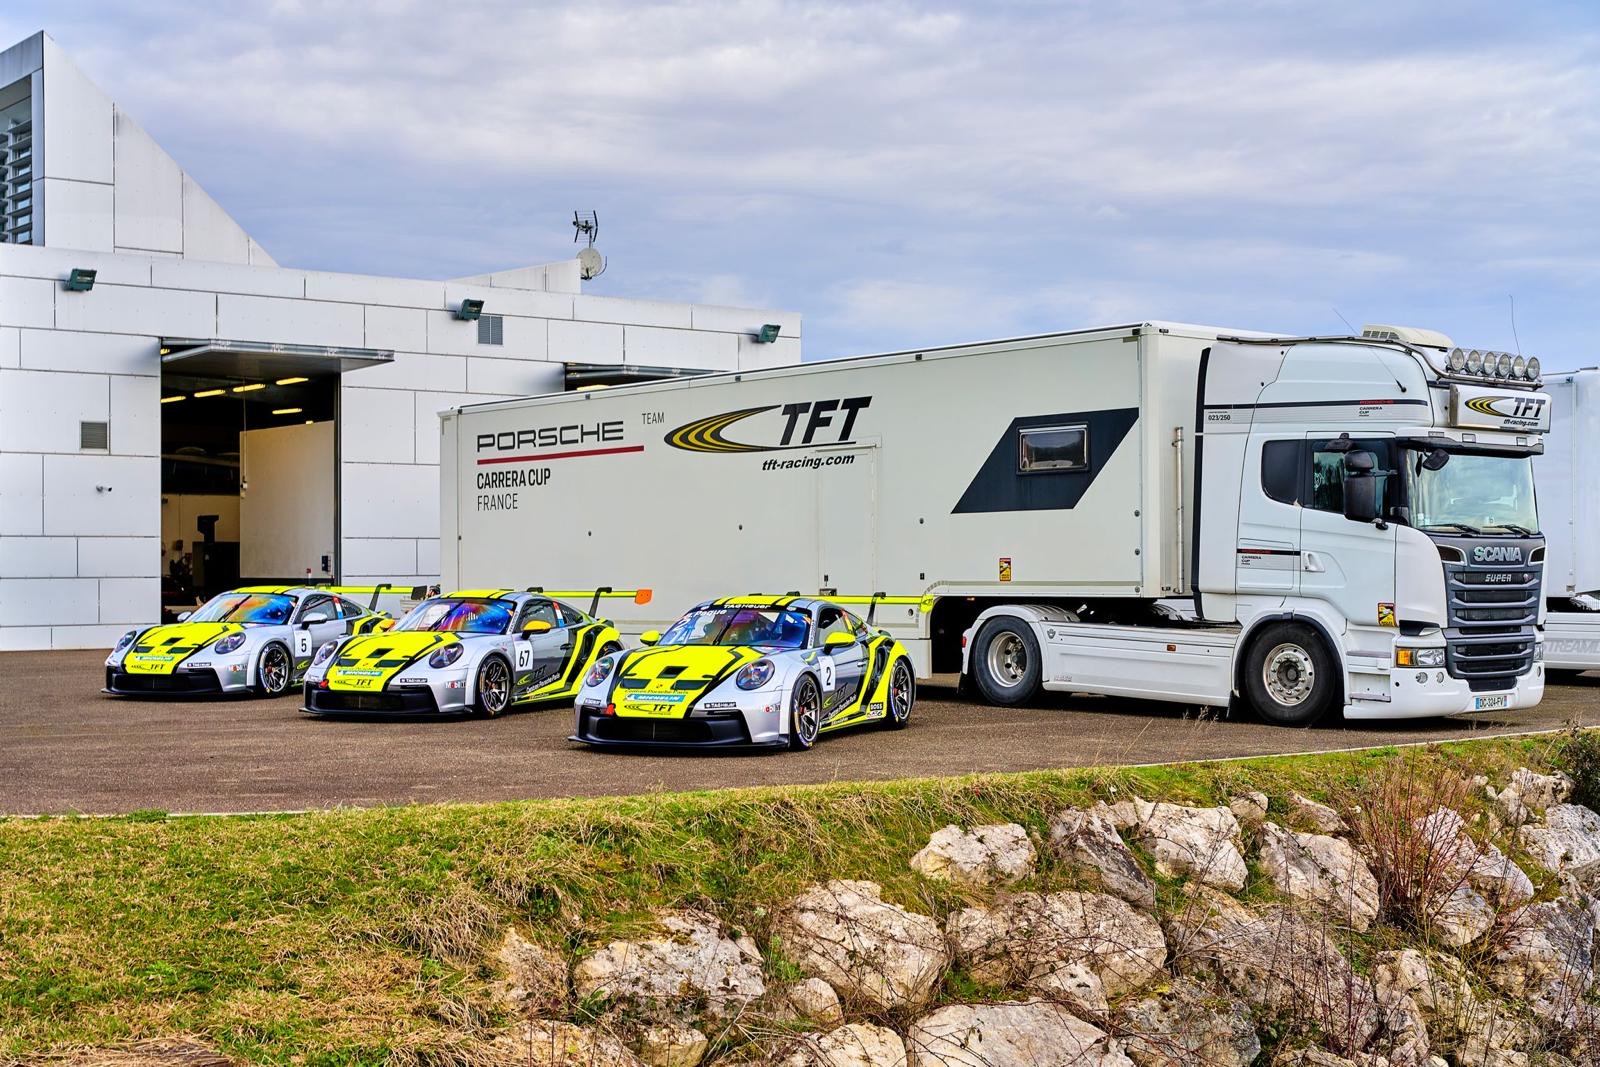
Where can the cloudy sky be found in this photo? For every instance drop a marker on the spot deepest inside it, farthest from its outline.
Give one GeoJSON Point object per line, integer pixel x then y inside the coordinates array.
{"type": "Point", "coordinates": [906, 174]}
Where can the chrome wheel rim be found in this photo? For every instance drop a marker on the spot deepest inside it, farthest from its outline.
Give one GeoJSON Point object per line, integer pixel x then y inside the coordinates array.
{"type": "Point", "coordinates": [274, 670]}
{"type": "Point", "coordinates": [1289, 674]}
{"type": "Point", "coordinates": [493, 686]}
{"type": "Point", "coordinates": [807, 713]}
{"type": "Point", "coordinates": [1007, 660]}
{"type": "Point", "coordinates": [900, 688]}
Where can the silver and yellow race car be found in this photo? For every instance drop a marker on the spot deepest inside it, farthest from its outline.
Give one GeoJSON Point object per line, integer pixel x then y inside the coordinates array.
{"type": "Point", "coordinates": [257, 639]}
{"type": "Point", "coordinates": [748, 671]}
{"type": "Point", "coordinates": [474, 652]}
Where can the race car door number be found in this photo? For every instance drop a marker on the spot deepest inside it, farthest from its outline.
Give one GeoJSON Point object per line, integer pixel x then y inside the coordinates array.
{"type": "Point", "coordinates": [524, 657]}
{"type": "Point", "coordinates": [302, 643]}
{"type": "Point", "coordinates": [826, 668]}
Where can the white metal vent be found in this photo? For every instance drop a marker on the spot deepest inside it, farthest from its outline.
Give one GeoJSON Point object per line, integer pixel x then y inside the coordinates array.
{"type": "Point", "coordinates": [94, 435]}
{"type": "Point", "coordinates": [491, 330]}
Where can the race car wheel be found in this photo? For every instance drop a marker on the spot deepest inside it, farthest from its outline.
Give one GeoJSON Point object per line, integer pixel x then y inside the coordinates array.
{"type": "Point", "coordinates": [805, 714]}
{"type": "Point", "coordinates": [1006, 662]}
{"type": "Point", "coordinates": [273, 671]}
{"type": "Point", "coordinates": [1289, 676]}
{"type": "Point", "coordinates": [902, 695]}
{"type": "Point", "coordinates": [494, 687]}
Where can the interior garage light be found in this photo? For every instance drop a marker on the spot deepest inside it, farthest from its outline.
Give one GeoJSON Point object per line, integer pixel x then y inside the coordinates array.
{"type": "Point", "coordinates": [292, 381]}
{"type": "Point", "coordinates": [286, 411]}
{"type": "Point", "coordinates": [252, 387]}
{"type": "Point", "coordinates": [310, 421]}
{"type": "Point", "coordinates": [173, 399]}
{"type": "Point", "coordinates": [470, 310]}
{"type": "Point", "coordinates": [209, 392]}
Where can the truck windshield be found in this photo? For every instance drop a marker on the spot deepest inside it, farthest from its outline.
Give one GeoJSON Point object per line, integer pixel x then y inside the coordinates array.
{"type": "Point", "coordinates": [1473, 493]}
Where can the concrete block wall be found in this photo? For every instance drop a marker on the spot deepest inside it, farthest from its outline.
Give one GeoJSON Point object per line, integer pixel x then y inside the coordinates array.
{"type": "Point", "coordinates": [79, 565]}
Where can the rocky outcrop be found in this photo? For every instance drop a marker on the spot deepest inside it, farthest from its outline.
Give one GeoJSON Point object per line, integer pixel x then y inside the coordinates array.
{"type": "Point", "coordinates": [856, 1045]}
{"type": "Point", "coordinates": [1089, 840]}
{"type": "Point", "coordinates": [1028, 1034]}
{"type": "Point", "coordinates": [547, 1043]}
{"type": "Point", "coordinates": [1567, 843]}
{"type": "Point", "coordinates": [1320, 870]}
{"type": "Point", "coordinates": [813, 999]}
{"type": "Point", "coordinates": [1318, 817]}
{"type": "Point", "coordinates": [1528, 793]}
{"type": "Point", "coordinates": [1189, 1026]}
{"type": "Point", "coordinates": [536, 977]}
{"type": "Point", "coordinates": [1201, 843]}
{"type": "Point", "coordinates": [689, 965]}
{"type": "Point", "coordinates": [875, 954]}
{"type": "Point", "coordinates": [1547, 955]}
{"type": "Point", "coordinates": [1250, 808]}
{"type": "Point", "coordinates": [670, 1045]}
{"type": "Point", "coordinates": [1038, 939]}
{"type": "Point", "coordinates": [984, 856]}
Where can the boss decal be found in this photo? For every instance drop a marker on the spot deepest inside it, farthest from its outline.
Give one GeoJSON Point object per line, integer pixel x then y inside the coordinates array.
{"type": "Point", "coordinates": [804, 424]}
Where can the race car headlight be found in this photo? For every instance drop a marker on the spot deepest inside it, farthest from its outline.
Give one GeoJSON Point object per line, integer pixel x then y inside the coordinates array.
{"type": "Point", "coordinates": [325, 653]}
{"type": "Point", "coordinates": [600, 671]}
{"type": "Point", "coordinates": [125, 640]}
{"type": "Point", "coordinates": [229, 643]}
{"type": "Point", "coordinates": [444, 656]}
{"type": "Point", "coordinates": [754, 675]}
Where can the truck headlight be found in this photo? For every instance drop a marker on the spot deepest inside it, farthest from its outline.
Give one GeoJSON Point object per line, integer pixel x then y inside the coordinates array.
{"type": "Point", "coordinates": [125, 640]}
{"type": "Point", "coordinates": [600, 671]}
{"type": "Point", "coordinates": [1419, 657]}
{"type": "Point", "coordinates": [445, 655]}
{"type": "Point", "coordinates": [229, 643]}
{"type": "Point", "coordinates": [754, 675]}
{"type": "Point", "coordinates": [325, 653]}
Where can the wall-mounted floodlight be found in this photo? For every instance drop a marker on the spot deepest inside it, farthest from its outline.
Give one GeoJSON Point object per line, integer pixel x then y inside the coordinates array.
{"type": "Point", "coordinates": [470, 310]}
{"type": "Point", "coordinates": [768, 334]}
{"type": "Point", "coordinates": [80, 280]}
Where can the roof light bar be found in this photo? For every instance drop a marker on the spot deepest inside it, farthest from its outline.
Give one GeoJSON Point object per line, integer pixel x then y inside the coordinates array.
{"type": "Point", "coordinates": [1473, 363]}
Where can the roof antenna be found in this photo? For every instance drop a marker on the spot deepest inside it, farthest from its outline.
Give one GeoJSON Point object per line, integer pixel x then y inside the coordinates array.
{"type": "Point", "coordinates": [1512, 297]}
{"type": "Point", "coordinates": [1346, 322]}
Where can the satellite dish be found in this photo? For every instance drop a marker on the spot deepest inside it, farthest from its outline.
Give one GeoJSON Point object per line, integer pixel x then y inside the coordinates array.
{"type": "Point", "coordinates": [591, 264]}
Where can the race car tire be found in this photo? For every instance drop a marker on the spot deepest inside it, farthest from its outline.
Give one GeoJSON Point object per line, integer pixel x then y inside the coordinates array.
{"type": "Point", "coordinates": [902, 695]}
{"type": "Point", "coordinates": [611, 648]}
{"type": "Point", "coordinates": [1006, 663]}
{"type": "Point", "coordinates": [805, 714]}
{"type": "Point", "coordinates": [493, 688]}
{"type": "Point", "coordinates": [274, 670]}
{"type": "Point", "coordinates": [1290, 677]}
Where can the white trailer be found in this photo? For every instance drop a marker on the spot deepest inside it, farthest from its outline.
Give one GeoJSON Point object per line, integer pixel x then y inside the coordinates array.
{"type": "Point", "coordinates": [1569, 512]}
{"type": "Point", "coordinates": [1156, 510]}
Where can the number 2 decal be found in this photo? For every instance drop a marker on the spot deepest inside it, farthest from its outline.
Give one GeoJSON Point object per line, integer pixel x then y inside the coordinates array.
{"type": "Point", "coordinates": [827, 674]}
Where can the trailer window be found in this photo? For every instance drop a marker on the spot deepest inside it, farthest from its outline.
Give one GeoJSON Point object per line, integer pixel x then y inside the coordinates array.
{"type": "Point", "coordinates": [1280, 471]}
{"type": "Point", "coordinates": [1052, 448]}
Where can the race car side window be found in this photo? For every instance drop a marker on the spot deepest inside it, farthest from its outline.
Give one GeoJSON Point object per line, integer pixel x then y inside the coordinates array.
{"type": "Point", "coordinates": [317, 603]}
{"type": "Point", "coordinates": [858, 627]}
{"type": "Point", "coordinates": [834, 621]}
{"type": "Point", "coordinates": [571, 614]}
{"type": "Point", "coordinates": [539, 611]}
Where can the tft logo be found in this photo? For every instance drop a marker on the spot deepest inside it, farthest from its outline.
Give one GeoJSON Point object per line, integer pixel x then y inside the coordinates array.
{"type": "Point", "coordinates": [802, 424]}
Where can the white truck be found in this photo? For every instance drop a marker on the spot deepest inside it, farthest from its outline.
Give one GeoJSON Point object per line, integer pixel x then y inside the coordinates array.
{"type": "Point", "coordinates": [1569, 511]}
{"type": "Point", "coordinates": [1156, 510]}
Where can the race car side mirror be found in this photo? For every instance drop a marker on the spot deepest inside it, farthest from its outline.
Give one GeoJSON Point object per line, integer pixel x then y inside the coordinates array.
{"type": "Point", "coordinates": [835, 642]}
{"type": "Point", "coordinates": [386, 624]}
{"type": "Point", "coordinates": [535, 626]}
{"type": "Point", "coordinates": [183, 616]}
{"type": "Point", "coordinates": [313, 619]}
{"type": "Point", "coordinates": [649, 637]}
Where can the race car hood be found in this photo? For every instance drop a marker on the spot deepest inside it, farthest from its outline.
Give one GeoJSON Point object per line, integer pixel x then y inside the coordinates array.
{"type": "Point", "coordinates": [160, 649]}
{"type": "Point", "coordinates": [667, 681]}
{"type": "Point", "coordinates": [370, 662]}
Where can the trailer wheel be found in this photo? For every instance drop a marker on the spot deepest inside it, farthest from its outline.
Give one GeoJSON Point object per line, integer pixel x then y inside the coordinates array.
{"type": "Point", "coordinates": [1290, 678]}
{"type": "Point", "coordinates": [1006, 662]}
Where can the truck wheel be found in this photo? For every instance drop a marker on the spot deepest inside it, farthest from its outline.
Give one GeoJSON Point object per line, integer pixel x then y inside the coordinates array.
{"type": "Point", "coordinates": [273, 671]}
{"type": "Point", "coordinates": [1290, 678]}
{"type": "Point", "coordinates": [494, 687]}
{"type": "Point", "coordinates": [805, 714]}
{"type": "Point", "coordinates": [902, 695]}
{"type": "Point", "coordinates": [1006, 662]}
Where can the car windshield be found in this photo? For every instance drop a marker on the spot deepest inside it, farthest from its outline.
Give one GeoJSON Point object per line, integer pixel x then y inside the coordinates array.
{"type": "Point", "coordinates": [740, 626]}
{"type": "Point", "coordinates": [459, 616]}
{"type": "Point", "coordinates": [263, 608]}
{"type": "Point", "coordinates": [1473, 493]}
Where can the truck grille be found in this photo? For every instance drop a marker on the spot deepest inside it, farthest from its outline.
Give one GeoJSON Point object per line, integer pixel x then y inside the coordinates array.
{"type": "Point", "coordinates": [1490, 638]}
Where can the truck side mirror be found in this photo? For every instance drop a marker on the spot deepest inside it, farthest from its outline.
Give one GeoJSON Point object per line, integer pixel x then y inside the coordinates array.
{"type": "Point", "coordinates": [1360, 487]}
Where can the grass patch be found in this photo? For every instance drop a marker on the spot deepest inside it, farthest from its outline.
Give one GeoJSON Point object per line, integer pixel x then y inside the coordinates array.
{"type": "Point", "coordinates": [355, 937]}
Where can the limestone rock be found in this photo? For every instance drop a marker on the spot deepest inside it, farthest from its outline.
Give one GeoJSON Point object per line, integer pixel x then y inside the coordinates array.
{"type": "Point", "coordinates": [671, 1045]}
{"type": "Point", "coordinates": [547, 1043]}
{"type": "Point", "coordinates": [1074, 986]}
{"type": "Point", "coordinates": [1027, 1034]}
{"type": "Point", "coordinates": [1484, 867]}
{"type": "Point", "coordinates": [1567, 843]}
{"type": "Point", "coordinates": [814, 999]}
{"type": "Point", "coordinates": [1250, 808]}
{"type": "Point", "coordinates": [536, 977]}
{"type": "Point", "coordinates": [872, 952]}
{"type": "Point", "coordinates": [1311, 1057]}
{"type": "Point", "coordinates": [157, 1052]}
{"type": "Point", "coordinates": [985, 856]}
{"type": "Point", "coordinates": [1089, 839]}
{"type": "Point", "coordinates": [1202, 843]}
{"type": "Point", "coordinates": [1033, 938]}
{"type": "Point", "coordinates": [856, 1045]}
{"type": "Point", "coordinates": [1320, 817]}
{"type": "Point", "coordinates": [1462, 917]}
{"type": "Point", "coordinates": [1188, 1026]}
{"type": "Point", "coordinates": [1277, 961]}
{"type": "Point", "coordinates": [1528, 793]}
{"type": "Point", "coordinates": [1547, 952]}
{"type": "Point", "coordinates": [1321, 870]}
{"type": "Point", "coordinates": [691, 965]}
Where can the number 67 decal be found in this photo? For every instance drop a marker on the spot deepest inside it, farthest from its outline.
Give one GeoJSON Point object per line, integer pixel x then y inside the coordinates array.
{"type": "Point", "coordinates": [524, 657]}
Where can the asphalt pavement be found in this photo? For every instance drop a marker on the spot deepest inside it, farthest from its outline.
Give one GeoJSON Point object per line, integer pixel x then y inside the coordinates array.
{"type": "Point", "coordinates": [65, 747]}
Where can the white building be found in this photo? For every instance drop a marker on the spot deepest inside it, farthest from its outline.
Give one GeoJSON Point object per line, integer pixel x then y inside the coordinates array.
{"type": "Point", "coordinates": [197, 377]}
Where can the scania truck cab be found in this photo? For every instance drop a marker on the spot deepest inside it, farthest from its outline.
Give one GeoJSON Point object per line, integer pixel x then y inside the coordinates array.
{"type": "Point", "coordinates": [1569, 509]}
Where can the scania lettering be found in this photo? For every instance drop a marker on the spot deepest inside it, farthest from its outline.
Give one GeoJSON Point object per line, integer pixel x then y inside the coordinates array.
{"type": "Point", "coordinates": [1296, 525]}
{"type": "Point", "coordinates": [1569, 509]}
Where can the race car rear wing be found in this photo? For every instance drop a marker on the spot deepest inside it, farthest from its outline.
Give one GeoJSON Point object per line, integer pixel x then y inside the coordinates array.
{"type": "Point", "coordinates": [639, 596]}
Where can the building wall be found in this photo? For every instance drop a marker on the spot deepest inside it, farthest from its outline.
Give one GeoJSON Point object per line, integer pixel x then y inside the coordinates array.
{"type": "Point", "coordinates": [80, 531]}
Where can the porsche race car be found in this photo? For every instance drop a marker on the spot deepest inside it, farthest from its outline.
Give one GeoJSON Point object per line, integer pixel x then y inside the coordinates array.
{"type": "Point", "coordinates": [748, 671]}
{"type": "Point", "coordinates": [474, 652]}
{"type": "Point", "coordinates": [258, 639]}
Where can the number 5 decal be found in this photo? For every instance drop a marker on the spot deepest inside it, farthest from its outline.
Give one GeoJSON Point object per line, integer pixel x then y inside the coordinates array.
{"type": "Point", "coordinates": [302, 642]}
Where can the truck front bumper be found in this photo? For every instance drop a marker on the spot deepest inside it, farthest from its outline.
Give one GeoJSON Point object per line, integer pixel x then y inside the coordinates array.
{"type": "Point", "coordinates": [1430, 692]}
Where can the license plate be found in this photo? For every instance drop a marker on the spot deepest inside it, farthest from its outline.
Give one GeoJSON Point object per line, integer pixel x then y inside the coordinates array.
{"type": "Point", "coordinates": [1493, 703]}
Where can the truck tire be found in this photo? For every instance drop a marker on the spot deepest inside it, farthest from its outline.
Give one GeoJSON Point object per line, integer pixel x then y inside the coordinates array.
{"type": "Point", "coordinates": [494, 687]}
{"type": "Point", "coordinates": [1006, 663]}
{"type": "Point", "coordinates": [805, 714]}
{"type": "Point", "coordinates": [1290, 677]}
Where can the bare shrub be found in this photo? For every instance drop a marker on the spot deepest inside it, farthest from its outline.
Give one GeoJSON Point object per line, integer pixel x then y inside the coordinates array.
{"type": "Point", "coordinates": [1579, 756]}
